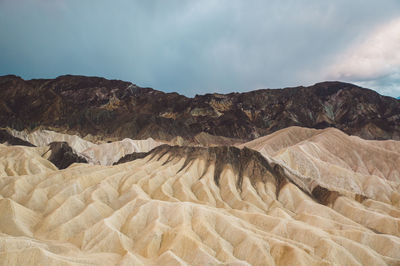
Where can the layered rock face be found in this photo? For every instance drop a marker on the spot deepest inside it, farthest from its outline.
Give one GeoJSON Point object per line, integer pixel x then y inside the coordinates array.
{"type": "Point", "coordinates": [297, 197]}
{"type": "Point", "coordinates": [114, 109]}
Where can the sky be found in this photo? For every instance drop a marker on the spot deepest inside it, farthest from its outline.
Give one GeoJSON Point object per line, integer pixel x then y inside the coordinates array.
{"type": "Point", "coordinates": [205, 46]}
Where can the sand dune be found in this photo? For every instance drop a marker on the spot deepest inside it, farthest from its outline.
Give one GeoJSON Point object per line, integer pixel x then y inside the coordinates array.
{"type": "Point", "coordinates": [203, 206]}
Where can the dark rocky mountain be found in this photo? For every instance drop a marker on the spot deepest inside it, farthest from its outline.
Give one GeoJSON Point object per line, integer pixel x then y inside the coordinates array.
{"type": "Point", "coordinates": [113, 108]}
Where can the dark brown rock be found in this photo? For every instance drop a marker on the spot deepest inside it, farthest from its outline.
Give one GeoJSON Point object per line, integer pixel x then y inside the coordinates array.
{"type": "Point", "coordinates": [63, 156]}
{"type": "Point", "coordinates": [131, 157]}
{"type": "Point", "coordinates": [324, 195]}
{"type": "Point", "coordinates": [113, 108]}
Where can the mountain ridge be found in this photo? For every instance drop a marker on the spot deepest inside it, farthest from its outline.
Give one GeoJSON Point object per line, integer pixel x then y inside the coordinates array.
{"type": "Point", "coordinates": [119, 109]}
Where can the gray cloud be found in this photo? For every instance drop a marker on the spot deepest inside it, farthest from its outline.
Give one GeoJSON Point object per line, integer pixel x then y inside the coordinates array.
{"type": "Point", "coordinates": [186, 46]}
{"type": "Point", "coordinates": [373, 60]}
{"type": "Point", "coordinates": [386, 85]}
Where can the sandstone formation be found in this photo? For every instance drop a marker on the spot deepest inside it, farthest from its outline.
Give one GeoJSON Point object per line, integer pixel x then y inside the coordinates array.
{"type": "Point", "coordinates": [292, 202]}
{"type": "Point", "coordinates": [109, 153]}
{"type": "Point", "coordinates": [329, 158]}
{"type": "Point", "coordinates": [42, 138]}
{"type": "Point", "coordinates": [7, 138]}
{"type": "Point", "coordinates": [102, 153]}
{"type": "Point", "coordinates": [112, 109]}
{"type": "Point", "coordinates": [21, 160]}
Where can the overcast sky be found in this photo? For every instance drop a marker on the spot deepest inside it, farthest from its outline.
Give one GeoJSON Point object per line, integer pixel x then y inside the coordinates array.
{"type": "Point", "coordinates": [195, 47]}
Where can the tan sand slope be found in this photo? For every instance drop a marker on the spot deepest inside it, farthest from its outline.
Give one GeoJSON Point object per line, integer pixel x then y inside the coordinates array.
{"type": "Point", "coordinates": [336, 161]}
{"type": "Point", "coordinates": [109, 153]}
{"type": "Point", "coordinates": [102, 153]}
{"type": "Point", "coordinates": [184, 205]}
{"type": "Point", "coordinates": [20, 160]}
{"type": "Point", "coordinates": [44, 137]}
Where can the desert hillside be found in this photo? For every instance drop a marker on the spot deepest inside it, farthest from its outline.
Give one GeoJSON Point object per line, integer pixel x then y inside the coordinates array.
{"type": "Point", "coordinates": [158, 132]}
{"type": "Point", "coordinates": [296, 197]}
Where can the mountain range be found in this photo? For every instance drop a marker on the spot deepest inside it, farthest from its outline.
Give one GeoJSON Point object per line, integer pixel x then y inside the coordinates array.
{"type": "Point", "coordinates": [113, 109]}
{"type": "Point", "coordinates": [104, 172]}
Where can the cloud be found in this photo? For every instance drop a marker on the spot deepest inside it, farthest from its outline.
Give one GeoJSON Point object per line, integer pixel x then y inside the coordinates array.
{"type": "Point", "coordinates": [385, 85]}
{"type": "Point", "coordinates": [373, 60]}
{"type": "Point", "coordinates": [191, 47]}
